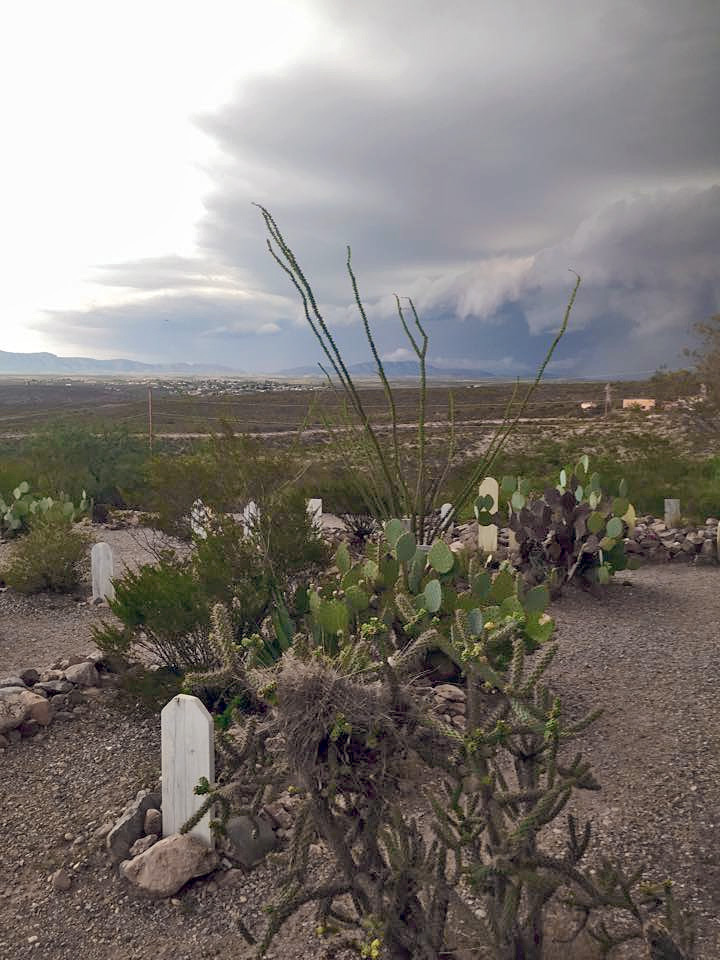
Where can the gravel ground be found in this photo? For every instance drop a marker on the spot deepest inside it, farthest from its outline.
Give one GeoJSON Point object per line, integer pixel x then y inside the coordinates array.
{"type": "Point", "coordinates": [37, 630]}
{"type": "Point", "coordinates": [646, 652]}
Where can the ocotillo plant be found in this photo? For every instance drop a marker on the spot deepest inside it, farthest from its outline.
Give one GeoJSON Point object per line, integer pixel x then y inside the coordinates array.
{"type": "Point", "coordinates": [394, 485]}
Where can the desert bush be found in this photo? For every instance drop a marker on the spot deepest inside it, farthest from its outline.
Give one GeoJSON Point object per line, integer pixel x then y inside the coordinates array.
{"type": "Point", "coordinates": [346, 729]}
{"type": "Point", "coordinates": [165, 608]}
{"type": "Point", "coordinates": [51, 556]}
{"type": "Point", "coordinates": [105, 461]}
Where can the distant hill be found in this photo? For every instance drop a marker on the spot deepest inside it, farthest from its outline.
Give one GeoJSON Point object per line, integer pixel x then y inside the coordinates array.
{"type": "Point", "coordinates": [396, 370]}
{"type": "Point", "coordinates": [50, 363]}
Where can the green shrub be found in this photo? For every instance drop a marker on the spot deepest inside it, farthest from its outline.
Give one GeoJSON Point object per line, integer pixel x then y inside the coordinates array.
{"type": "Point", "coordinates": [165, 609]}
{"type": "Point", "coordinates": [51, 556]}
{"type": "Point", "coordinates": [107, 462]}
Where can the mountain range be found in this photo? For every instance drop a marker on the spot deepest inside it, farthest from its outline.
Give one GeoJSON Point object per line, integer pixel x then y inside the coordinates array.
{"type": "Point", "coordinates": [50, 364]}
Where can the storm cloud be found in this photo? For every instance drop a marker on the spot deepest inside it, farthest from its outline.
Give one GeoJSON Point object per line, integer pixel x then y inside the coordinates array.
{"type": "Point", "coordinates": [470, 153]}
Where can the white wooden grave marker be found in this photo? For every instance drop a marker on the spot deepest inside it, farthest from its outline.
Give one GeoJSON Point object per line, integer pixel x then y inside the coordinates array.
{"type": "Point", "coordinates": [250, 516]}
{"type": "Point", "coordinates": [188, 753]}
{"type": "Point", "coordinates": [199, 519]}
{"type": "Point", "coordinates": [444, 511]}
{"type": "Point", "coordinates": [488, 536]}
{"type": "Point", "coordinates": [314, 509]}
{"type": "Point", "coordinates": [672, 514]}
{"type": "Point", "coordinates": [101, 566]}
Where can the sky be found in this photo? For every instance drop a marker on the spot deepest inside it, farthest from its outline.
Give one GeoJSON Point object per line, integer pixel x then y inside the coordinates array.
{"type": "Point", "coordinates": [471, 153]}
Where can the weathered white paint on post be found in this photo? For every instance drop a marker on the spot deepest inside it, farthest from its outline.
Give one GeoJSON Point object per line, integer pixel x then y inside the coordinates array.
{"type": "Point", "coordinates": [488, 536]}
{"type": "Point", "coordinates": [672, 513]}
{"type": "Point", "coordinates": [251, 514]}
{"type": "Point", "coordinates": [444, 511]}
{"type": "Point", "coordinates": [101, 566]}
{"type": "Point", "coordinates": [314, 509]}
{"type": "Point", "coordinates": [188, 753]}
{"type": "Point", "coordinates": [199, 519]}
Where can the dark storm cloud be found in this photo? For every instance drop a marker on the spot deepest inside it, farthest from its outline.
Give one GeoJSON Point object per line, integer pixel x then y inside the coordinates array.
{"type": "Point", "coordinates": [470, 153]}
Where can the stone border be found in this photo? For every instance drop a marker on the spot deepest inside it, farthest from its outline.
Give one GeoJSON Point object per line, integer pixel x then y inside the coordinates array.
{"type": "Point", "coordinates": [33, 698]}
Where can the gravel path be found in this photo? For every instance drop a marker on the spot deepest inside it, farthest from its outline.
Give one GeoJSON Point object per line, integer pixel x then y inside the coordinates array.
{"type": "Point", "coordinates": [647, 652]}
{"type": "Point", "coordinates": [37, 630]}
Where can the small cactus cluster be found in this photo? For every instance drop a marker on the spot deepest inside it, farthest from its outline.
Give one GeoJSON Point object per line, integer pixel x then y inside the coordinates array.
{"type": "Point", "coordinates": [17, 512]}
{"type": "Point", "coordinates": [574, 530]}
{"type": "Point", "coordinates": [417, 601]}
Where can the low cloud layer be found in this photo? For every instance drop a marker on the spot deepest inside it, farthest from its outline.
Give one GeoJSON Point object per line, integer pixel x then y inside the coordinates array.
{"type": "Point", "coordinates": [471, 153]}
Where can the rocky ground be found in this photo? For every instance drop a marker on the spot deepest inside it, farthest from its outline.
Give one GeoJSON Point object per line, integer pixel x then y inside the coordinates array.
{"type": "Point", "coordinates": [647, 652]}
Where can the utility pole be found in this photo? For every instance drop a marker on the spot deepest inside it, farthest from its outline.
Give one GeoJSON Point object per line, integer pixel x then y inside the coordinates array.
{"type": "Point", "coordinates": [150, 423]}
{"type": "Point", "coordinates": [608, 399]}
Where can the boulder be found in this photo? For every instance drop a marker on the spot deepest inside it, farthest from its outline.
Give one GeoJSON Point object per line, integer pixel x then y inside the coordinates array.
{"type": "Point", "coordinates": [168, 865]}
{"type": "Point", "coordinates": [249, 839]}
{"type": "Point", "coordinates": [18, 704]}
{"type": "Point", "coordinates": [83, 674]}
{"type": "Point", "coordinates": [143, 844]}
{"type": "Point", "coordinates": [153, 821]}
{"type": "Point", "coordinates": [53, 687]}
{"type": "Point", "coordinates": [29, 676]}
{"type": "Point", "coordinates": [448, 691]}
{"type": "Point", "coordinates": [12, 682]}
{"type": "Point", "coordinates": [129, 827]}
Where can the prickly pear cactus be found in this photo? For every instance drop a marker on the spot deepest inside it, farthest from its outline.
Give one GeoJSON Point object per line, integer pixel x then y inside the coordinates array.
{"type": "Point", "coordinates": [574, 530]}
{"type": "Point", "coordinates": [421, 602]}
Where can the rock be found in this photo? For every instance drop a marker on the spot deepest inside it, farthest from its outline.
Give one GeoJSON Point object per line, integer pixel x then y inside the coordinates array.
{"type": "Point", "coordinates": [143, 844]}
{"type": "Point", "coordinates": [83, 675]}
{"type": "Point", "coordinates": [52, 687]}
{"type": "Point", "coordinates": [51, 675]}
{"type": "Point", "coordinates": [250, 840]}
{"type": "Point", "coordinates": [4, 742]}
{"type": "Point", "coordinates": [129, 827]}
{"type": "Point", "coordinates": [103, 830]}
{"type": "Point", "coordinates": [14, 736]}
{"type": "Point", "coordinates": [29, 676]}
{"type": "Point", "coordinates": [279, 814]}
{"type": "Point", "coordinates": [18, 704]}
{"type": "Point", "coordinates": [61, 881]}
{"type": "Point", "coordinates": [75, 698]}
{"type": "Point", "coordinates": [448, 691]}
{"type": "Point", "coordinates": [58, 701]}
{"type": "Point", "coordinates": [168, 865]}
{"type": "Point", "coordinates": [12, 682]}
{"type": "Point", "coordinates": [39, 708]}
{"type": "Point", "coordinates": [153, 821]}
{"type": "Point", "coordinates": [29, 728]}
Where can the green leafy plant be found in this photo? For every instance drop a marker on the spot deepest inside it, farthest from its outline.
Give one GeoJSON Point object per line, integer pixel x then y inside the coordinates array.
{"type": "Point", "coordinates": [51, 556]}
{"type": "Point", "coordinates": [165, 608]}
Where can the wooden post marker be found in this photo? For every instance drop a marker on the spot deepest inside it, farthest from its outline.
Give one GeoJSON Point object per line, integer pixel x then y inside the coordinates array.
{"type": "Point", "coordinates": [445, 509]}
{"type": "Point", "coordinates": [314, 509]}
{"type": "Point", "coordinates": [188, 753]}
{"type": "Point", "coordinates": [488, 536]}
{"type": "Point", "coordinates": [101, 567]}
{"type": "Point", "coordinates": [672, 514]}
{"type": "Point", "coordinates": [250, 516]}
